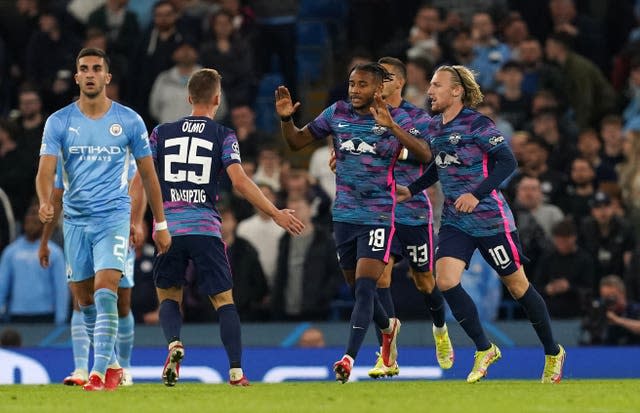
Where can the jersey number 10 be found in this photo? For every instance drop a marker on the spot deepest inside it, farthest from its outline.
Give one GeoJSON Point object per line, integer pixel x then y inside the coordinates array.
{"type": "Point", "coordinates": [187, 154]}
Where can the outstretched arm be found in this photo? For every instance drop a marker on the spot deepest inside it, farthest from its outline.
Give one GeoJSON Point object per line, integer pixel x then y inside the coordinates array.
{"type": "Point", "coordinates": [296, 138]}
{"type": "Point", "coordinates": [283, 217]}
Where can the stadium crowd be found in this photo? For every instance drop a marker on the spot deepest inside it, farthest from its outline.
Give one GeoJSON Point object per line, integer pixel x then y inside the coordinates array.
{"type": "Point", "coordinates": [561, 80]}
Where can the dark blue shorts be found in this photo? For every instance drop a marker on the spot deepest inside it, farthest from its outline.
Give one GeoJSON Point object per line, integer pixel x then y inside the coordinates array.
{"type": "Point", "coordinates": [209, 260]}
{"type": "Point", "coordinates": [355, 241]}
{"type": "Point", "coordinates": [503, 251]}
{"type": "Point", "coordinates": [414, 243]}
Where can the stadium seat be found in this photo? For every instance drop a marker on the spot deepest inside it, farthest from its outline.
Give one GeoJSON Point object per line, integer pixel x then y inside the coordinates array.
{"type": "Point", "coordinates": [266, 119]}
{"type": "Point", "coordinates": [323, 9]}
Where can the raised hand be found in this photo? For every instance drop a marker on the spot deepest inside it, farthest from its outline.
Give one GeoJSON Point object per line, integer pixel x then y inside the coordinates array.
{"type": "Point", "coordinates": [284, 104]}
{"type": "Point", "coordinates": [380, 111]}
{"type": "Point", "coordinates": [285, 219]}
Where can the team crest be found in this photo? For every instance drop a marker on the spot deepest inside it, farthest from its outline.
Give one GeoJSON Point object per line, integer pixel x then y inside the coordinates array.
{"type": "Point", "coordinates": [236, 151]}
{"type": "Point", "coordinates": [115, 129]}
{"type": "Point", "coordinates": [414, 132]}
{"type": "Point", "coordinates": [455, 138]}
{"type": "Point", "coordinates": [378, 130]}
{"type": "Point", "coordinates": [494, 140]}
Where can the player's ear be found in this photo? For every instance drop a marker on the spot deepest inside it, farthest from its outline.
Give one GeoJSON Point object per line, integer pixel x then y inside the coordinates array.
{"type": "Point", "coordinates": [107, 78]}
{"type": "Point", "coordinates": [75, 77]}
{"type": "Point", "coordinates": [216, 99]}
{"type": "Point", "coordinates": [190, 100]}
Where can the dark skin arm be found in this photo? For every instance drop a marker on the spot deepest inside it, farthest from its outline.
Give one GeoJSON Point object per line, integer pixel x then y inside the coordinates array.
{"type": "Point", "coordinates": [296, 138]}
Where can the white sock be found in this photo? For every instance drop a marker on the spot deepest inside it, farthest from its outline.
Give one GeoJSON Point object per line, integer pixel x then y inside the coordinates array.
{"type": "Point", "coordinates": [235, 374]}
{"type": "Point", "coordinates": [440, 330]}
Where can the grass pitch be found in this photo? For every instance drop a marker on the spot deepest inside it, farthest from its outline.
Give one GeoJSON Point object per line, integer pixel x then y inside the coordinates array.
{"type": "Point", "coordinates": [495, 396]}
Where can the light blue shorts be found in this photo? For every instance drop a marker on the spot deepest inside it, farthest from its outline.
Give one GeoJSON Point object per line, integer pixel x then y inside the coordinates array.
{"type": "Point", "coordinates": [91, 248]}
{"type": "Point", "coordinates": [127, 276]}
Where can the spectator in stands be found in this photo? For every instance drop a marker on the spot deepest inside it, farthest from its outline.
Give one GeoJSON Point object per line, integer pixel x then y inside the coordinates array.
{"type": "Point", "coordinates": [518, 142]}
{"type": "Point", "coordinates": [546, 126]}
{"type": "Point", "coordinates": [537, 74]}
{"type": "Point", "coordinates": [307, 274]}
{"type": "Point", "coordinates": [250, 290]}
{"type": "Point", "coordinates": [118, 23]}
{"type": "Point", "coordinates": [263, 235]}
{"type": "Point", "coordinates": [243, 18]}
{"type": "Point", "coordinates": [530, 197]}
{"type": "Point", "coordinates": [57, 46]}
{"type": "Point", "coordinates": [589, 147]}
{"type": "Point", "coordinates": [276, 35]}
{"type": "Point", "coordinates": [299, 184]}
{"type": "Point", "coordinates": [28, 292]}
{"type": "Point", "coordinates": [629, 172]}
{"type": "Point", "coordinates": [169, 98]}
{"type": "Point", "coordinates": [623, 315]}
{"type": "Point", "coordinates": [581, 189]}
{"type": "Point", "coordinates": [632, 110]}
{"type": "Point", "coordinates": [608, 239]}
{"type": "Point", "coordinates": [515, 104]}
{"type": "Point", "coordinates": [514, 31]}
{"type": "Point", "coordinates": [612, 136]}
{"type": "Point", "coordinates": [565, 274]}
{"type": "Point", "coordinates": [16, 170]}
{"type": "Point", "coordinates": [269, 167]}
{"type": "Point", "coordinates": [144, 299]}
{"type": "Point", "coordinates": [589, 93]}
{"type": "Point", "coordinates": [461, 51]}
{"type": "Point", "coordinates": [490, 107]}
{"type": "Point", "coordinates": [232, 57]}
{"type": "Point", "coordinates": [489, 53]}
{"type": "Point", "coordinates": [535, 164]}
{"type": "Point", "coordinates": [418, 77]}
{"type": "Point", "coordinates": [152, 55]}
{"type": "Point", "coordinates": [423, 38]}
{"type": "Point", "coordinates": [30, 122]}
{"type": "Point", "coordinates": [250, 139]}
{"type": "Point", "coordinates": [582, 30]}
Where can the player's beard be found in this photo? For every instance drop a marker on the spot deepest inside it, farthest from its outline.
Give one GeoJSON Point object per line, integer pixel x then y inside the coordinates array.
{"type": "Point", "coordinates": [95, 93]}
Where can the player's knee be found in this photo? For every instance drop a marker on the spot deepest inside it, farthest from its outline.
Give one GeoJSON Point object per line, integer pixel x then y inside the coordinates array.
{"type": "Point", "coordinates": [516, 283]}
{"type": "Point", "coordinates": [221, 299]}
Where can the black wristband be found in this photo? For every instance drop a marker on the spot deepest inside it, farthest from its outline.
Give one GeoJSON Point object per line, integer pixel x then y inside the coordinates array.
{"type": "Point", "coordinates": [285, 118]}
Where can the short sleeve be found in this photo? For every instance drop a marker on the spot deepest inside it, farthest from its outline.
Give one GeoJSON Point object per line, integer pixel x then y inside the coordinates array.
{"type": "Point", "coordinates": [320, 127]}
{"type": "Point", "coordinates": [52, 136]}
{"type": "Point", "coordinates": [230, 149]}
{"type": "Point", "coordinates": [139, 138]}
{"type": "Point", "coordinates": [58, 182]}
{"type": "Point", "coordinates": [488, 137]}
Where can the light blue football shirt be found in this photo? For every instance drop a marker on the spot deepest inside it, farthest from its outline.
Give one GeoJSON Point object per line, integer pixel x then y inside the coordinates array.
{"type": "Point", "coordinates": [96, 158]}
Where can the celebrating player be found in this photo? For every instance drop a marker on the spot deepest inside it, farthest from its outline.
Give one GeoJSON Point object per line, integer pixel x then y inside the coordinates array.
{"type": "Point", "coordinates": [413, 238]}
{"type": "Point", "coordinates": [189, 156]}
{"type": "Point", "coordinates": [367, 139]}
{"type": "Point", "coordinates": [471, 160]}
{"type": "Point", "coordinates": [95, 138]}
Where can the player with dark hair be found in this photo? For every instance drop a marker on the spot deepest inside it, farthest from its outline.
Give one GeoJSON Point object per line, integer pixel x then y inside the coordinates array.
{"type": "Point", "coordinates": [471, 160]}
{"type": "Point", "coordinates": [367, 139]}
{"type": "Point", "coordinates": [413, 238]}
{"type": "Point", "coordinates": [95, 138]}
{"type": "Point", "coordinates": [190, 154]}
